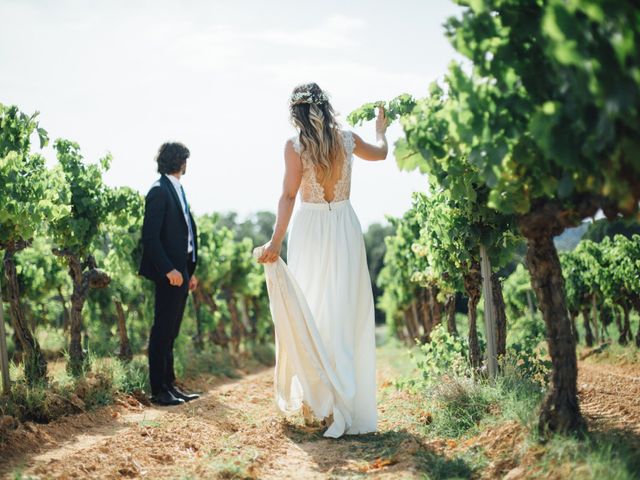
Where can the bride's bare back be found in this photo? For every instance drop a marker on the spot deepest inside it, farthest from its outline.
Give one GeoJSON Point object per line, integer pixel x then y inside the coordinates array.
{"type": "Point", "coordinates": [334, 188]}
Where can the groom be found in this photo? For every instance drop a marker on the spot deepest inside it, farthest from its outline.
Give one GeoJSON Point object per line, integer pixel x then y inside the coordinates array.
{"type": "Point", "coordinates": [170, 252]}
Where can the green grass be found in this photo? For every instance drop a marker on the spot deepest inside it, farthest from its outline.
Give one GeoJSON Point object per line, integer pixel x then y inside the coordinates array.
{"type": "Point", "coordinates": [600, 455]}
{"type": "Point", "coordinates": [213, 360]}
{"type": "Point", "coordinates": [21, 476]}
{"type": "Point", "coordinates": [614, 354]}
{"type": "Point", "coordinates": [458, 406]}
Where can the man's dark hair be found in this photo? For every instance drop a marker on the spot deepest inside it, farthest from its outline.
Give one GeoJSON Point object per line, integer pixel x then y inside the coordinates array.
{"type": "Point", "coordinates": [171, 156]}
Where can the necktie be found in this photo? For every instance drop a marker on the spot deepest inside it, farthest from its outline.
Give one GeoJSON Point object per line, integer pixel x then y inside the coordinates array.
{"type": "Point", "coordinates": [188, 217]}
{"type": "Point", "coordinates": [184, 197]}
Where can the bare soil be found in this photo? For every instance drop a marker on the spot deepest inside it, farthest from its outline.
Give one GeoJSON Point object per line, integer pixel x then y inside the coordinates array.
{"type": "Point", "coordinates": [234, 431]}
{"type": "Point", "coordinates": [610, 395]}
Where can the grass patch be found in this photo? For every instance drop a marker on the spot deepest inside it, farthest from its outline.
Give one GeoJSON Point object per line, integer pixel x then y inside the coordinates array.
{"type": "Point", "coordinates": [611, 455]}
{"type": "Point", "coordinates": [21, 476]}
{"type": "Point", "coordinates": [440, 467]}
{"type": "Point", "coordinates": [212, 360]}
{"type": "Point", "coordinates": [459, 405]}
{"type": "Point", "coordinates": [233, 461]}
{"type": "Point", "coordinates": [132, 377]}
{"type": "Point", "coordinates": [615, 354]}
{"type": "Point", "coordinates": [65, 395]}
{"type": "Point", "coordinates": [265, 354]}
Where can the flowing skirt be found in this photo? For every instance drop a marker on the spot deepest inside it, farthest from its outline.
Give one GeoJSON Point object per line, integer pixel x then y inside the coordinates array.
{"type": "Point", "coordinates": [322, 308]}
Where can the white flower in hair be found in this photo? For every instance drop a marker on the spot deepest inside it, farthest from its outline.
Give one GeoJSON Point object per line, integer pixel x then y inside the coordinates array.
{"type": "Point", "coordinates": [308, 97]}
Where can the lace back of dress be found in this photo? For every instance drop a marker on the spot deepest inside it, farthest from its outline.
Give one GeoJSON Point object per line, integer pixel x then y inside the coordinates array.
{"type": "Point", "coordinates": [311, 191]}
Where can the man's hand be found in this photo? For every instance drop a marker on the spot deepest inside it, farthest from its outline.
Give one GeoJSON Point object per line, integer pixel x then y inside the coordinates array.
{"type": "Point", "coordinates": [175, 278]}
{"type": "Point", "coordinates": [193, 283]}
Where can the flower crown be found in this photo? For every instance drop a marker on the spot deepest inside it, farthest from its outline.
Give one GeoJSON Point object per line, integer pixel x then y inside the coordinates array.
{"type": "Point", "coordinates": [308, 97]}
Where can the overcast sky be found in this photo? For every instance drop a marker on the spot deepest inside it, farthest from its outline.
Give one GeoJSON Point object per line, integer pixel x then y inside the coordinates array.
{"type": "Point", "coordinates": [125, 76]}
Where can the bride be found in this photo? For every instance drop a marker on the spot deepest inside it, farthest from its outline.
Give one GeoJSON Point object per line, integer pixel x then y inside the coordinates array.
{"type": "Point", "coordinates": [322, 304]}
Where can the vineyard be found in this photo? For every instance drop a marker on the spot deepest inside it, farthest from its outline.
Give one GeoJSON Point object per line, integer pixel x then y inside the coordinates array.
{"type": "Point", "coordinates": [72, 248]}
{"type": "Point", "coordinates": [510, 152]}
{"type": "Point", "coordinates": [502, 352]}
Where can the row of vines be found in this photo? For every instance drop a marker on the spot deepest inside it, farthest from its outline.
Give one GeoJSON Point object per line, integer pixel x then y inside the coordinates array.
{"type": "Point", "coordinates": [71, 249]}
{"type": "Point", "coordinates": [538, 130]}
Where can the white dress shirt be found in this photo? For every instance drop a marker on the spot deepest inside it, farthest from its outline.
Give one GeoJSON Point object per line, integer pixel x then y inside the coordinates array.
{"type": "Point", "coordinates": [178, 186]}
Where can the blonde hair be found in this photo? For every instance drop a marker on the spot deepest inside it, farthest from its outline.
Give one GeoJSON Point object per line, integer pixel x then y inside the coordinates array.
{"type": "Point", "coordinates": [320, 135]}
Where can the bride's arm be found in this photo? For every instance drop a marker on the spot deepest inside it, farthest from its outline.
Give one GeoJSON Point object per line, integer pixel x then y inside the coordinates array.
{"type": "Point", "coordinates": [368, 151]}
{"type": "Point", "coordinates": [290, 186]}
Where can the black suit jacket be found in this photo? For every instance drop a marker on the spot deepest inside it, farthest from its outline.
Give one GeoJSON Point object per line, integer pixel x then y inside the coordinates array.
{"type": "Point", "coordinates": [165, 234]}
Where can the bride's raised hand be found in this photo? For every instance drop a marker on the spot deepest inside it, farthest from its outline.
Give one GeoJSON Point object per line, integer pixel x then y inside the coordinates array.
{"type": "Point", "coordinates": [381, 122]}
{"type": "Point", "coordinates": [270, 252]}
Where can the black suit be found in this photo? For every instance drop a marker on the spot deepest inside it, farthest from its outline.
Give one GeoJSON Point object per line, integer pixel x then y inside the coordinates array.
{"type": "Point", "coordinates": [165, 247]}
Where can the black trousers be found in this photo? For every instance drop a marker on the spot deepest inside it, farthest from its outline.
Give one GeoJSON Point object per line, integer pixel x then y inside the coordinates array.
{"type": "Point", "coordinates": [169, 309]}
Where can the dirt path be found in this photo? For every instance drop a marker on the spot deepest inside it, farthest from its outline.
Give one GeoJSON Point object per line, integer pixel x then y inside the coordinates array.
{"type": "Point", "coordinates": [235, 432]}
{"type": "Point", "coordinates": [232, 432]}
{"type": "Point", "coordinates": [610, 395]}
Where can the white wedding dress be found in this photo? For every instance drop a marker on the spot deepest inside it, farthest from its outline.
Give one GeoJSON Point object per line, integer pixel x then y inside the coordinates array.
{"type": "Point", "coordinates": [322, 309]}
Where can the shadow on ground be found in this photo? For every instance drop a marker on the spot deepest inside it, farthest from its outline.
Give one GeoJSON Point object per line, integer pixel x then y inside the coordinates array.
{"type": "Point", "coordinates": [393, 451]}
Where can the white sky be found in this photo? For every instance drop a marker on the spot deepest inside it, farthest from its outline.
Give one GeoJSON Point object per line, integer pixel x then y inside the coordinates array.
{"type": "Point", "coordinates": [124, 76]}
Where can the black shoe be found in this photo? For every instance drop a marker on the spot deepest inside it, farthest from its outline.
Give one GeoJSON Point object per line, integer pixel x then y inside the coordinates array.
{"type": "Point", "coordinates": [187, 397]}
{"type": "Point", "coordinates": [167, 399]}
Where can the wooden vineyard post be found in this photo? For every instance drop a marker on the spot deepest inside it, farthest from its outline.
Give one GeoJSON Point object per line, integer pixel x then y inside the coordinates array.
{"type": "Point", "coordinates": [594, 314]}
{"type": "Point", "coordinates": [4, 357]}
{"type": "Point", "coordinates": [532, 310]}
{"type": "Point", "coordinates": [489, 313]}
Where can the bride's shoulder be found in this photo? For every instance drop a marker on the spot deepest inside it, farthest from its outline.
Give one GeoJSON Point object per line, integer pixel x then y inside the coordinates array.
{"type": "Point", "coordinates": [349, 139]}
{"type": "Point", "coordinates": [293, 143]}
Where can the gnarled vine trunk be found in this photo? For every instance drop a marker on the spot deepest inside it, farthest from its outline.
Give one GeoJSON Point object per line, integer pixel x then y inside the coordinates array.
{"type": "Point", "coordinates": [472, 285]}
{"type": "Point", "coordinates": [436, 308]}
{"type": "Point", "coordinates": [35, 365]}
{"type": "Point", "coordinates": [588, 334]}
{"type": "Point", "coordinates": [408, 323]}
{"type": "Point", "coordinates": [594, 314]}
{"type": "Point", "coordinates": [255, 320]}
{"type": "Point", "coordinates": [66, 316]}
{"type": "Point", "coordinates": [411, 319]}
{"type": "Point", "coordinates": [636, 306]}
{"type": "Point", "coordinates": [252, 317]}
{"type": "Point", "coordinates": [219, 335]}
{"type": "Point", "coordinates": [425, 313]}
{"type": "Point", "coordinates": [532, 309]}
{"type": "Point", "coordinates": [625, 331]}
{"type": "Point", "coordinates": [574, 328]}
{"type": "Point", "coordinates": [605, 321]}
{"type": "Point", "coordinates": [560, 409]}
{"type": "Point", "coordinates": [84, 276]}
{"type": "Point", "coordinates": [4, 357]}
{"type": "Point", "coordinates": [450, 307]}
{"type": "Point", "coordinates": [237, 328]}
{"type": "Point", "coordinates": [197, 306]}
{"type": "Point", "coordinates": [501, 316]}
{"type": "Point", "coordinates": [400, 327]}
{"type": "Point", "coordinates": [124, 353]}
